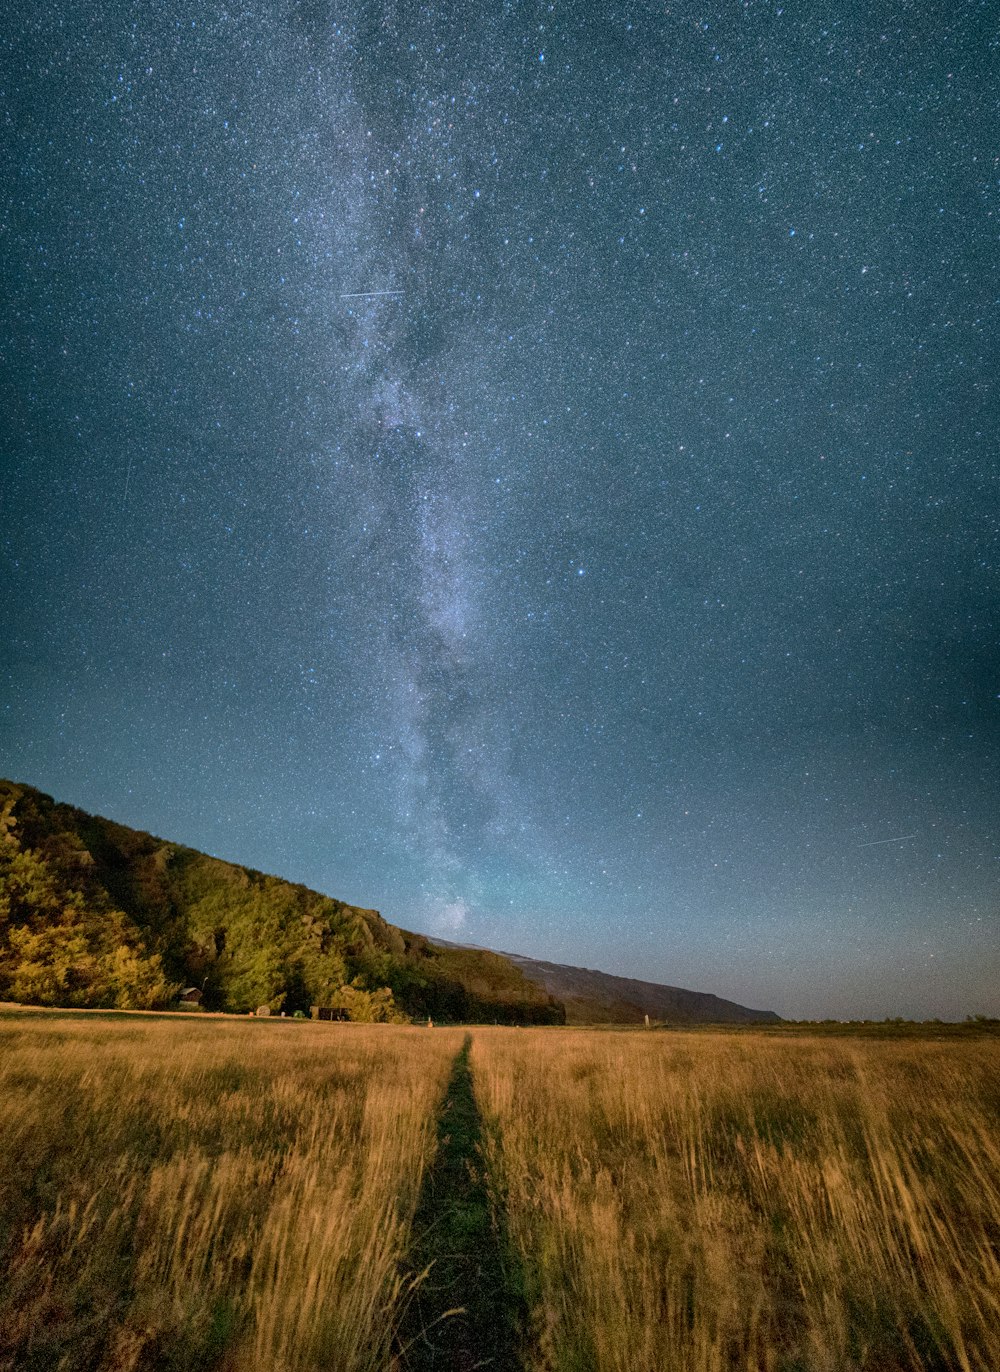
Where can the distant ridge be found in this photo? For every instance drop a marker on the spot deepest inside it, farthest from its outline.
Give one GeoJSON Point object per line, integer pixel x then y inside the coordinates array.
{"type": "Point", "coordinates": [592, 997]}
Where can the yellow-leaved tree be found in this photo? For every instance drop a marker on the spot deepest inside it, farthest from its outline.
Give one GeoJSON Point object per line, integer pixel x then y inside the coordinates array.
{"type": "Point", "coordinates": [59, 947]}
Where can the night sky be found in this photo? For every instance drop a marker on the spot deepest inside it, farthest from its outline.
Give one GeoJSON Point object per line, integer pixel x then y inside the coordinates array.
{"type": "Point", "coordinates": [615, 583]}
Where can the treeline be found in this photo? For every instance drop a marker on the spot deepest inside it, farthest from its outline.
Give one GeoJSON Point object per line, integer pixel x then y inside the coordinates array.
{"type": "Point", "coordinates": [94, 914]}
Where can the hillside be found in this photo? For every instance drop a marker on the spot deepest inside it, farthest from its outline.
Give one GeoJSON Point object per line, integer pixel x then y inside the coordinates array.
{"type": "Point", "coordinates": [599, 998]}
{"type": "Point", "coordinates": [93, 913]}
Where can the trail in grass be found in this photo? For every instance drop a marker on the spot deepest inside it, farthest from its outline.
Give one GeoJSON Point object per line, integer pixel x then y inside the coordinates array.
{"type": "Point", "coordinates": [467, 1312]}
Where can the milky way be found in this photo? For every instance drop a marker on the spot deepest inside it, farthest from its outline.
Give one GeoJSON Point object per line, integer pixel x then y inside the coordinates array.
{"type": "Point", "coordinates": [533, 471]}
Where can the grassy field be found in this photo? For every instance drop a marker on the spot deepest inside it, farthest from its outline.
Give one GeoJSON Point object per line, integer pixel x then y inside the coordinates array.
{"type": "Point", "coordinates": [194, 1193]}
{"type": "Point", "coordinates": [208, 1193]}
{"type": "Point", "coordinates": [694, 1202]}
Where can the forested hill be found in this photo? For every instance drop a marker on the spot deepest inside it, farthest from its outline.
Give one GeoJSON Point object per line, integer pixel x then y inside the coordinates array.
{"type": "Point", "coordinates": [95, 914]}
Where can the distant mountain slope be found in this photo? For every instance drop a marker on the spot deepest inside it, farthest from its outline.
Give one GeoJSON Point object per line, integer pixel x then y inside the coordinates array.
{"type": "Point", "coordinates": [597, 997]}
{"type": "Point", "coordinates": [591, 997]}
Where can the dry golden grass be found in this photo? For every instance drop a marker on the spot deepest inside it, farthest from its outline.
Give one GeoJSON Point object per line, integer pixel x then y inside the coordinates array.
{"type": "Point", "coordinates": [691, 1203]}
{"type": "Point", "coordinates": [188, 1193]}
{"type": "Point", "coordinates": [194, 1193]}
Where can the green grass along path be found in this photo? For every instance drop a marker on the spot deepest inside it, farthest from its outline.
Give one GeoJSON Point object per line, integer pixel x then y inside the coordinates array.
{"type": "Point", "coordinates": [468, 1311]}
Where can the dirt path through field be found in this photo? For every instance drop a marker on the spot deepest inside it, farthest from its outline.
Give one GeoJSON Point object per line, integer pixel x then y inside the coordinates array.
{"type": "Point", "coordinates": [467, 1311]}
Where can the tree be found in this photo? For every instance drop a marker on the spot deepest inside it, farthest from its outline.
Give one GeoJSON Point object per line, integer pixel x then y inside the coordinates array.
{"type": "Point", "coordinates": [368, 1007]}
{"type": "Point", "coordinates": [59, 947]}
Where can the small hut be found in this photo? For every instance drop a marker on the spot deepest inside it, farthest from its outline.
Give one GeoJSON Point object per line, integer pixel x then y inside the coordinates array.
{"type": "Point", "coordinates": [190, 997]}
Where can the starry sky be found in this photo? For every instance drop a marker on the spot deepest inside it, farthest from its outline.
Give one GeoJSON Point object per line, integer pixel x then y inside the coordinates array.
{"type": "Point", "coordinates": [530, 468]}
